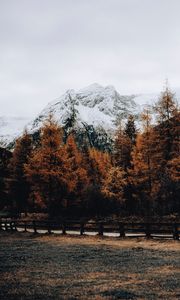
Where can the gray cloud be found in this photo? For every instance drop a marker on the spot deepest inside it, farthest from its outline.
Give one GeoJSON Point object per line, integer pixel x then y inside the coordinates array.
{"type": "Point", "coordinates": [48, 46]}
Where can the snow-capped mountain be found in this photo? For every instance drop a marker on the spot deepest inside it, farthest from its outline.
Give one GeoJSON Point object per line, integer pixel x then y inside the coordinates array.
{"type": "Point", "coordinates": [94, 105]}
{"type": "Point", "coordinates": [93, 113]}
{"type": "Point", "coordinates": [10, 128]}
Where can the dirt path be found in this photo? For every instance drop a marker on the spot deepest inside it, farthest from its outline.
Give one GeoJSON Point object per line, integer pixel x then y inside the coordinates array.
{"type": "Point", "coordinates": [48, 267]}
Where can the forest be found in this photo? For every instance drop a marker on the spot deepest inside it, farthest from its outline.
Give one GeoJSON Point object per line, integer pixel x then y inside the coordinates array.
{"type": "Point", "coordinates": [57, 176]}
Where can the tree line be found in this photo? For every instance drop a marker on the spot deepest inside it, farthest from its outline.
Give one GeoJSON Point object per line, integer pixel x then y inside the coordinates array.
{"type": "Point", "coordinates": [141, 176]}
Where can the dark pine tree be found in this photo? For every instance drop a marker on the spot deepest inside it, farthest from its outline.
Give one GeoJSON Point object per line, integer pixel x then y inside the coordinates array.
{"type": "Point", "coordinates": [19, 187]}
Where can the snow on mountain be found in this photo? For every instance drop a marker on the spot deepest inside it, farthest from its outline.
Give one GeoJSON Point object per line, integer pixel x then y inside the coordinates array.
{"type": "Point", "coordinates": [10, 128]}
{"type": "Point", "coordinates": [94, 109]}
{"type": "Point", "coordinates": [94, 105]}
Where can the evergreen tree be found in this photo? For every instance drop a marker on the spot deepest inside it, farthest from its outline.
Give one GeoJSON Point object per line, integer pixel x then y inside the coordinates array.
{"type": "Point", "coordinates": [130, 129]}
{"type": "Point", "coordinates": [146, 149]}
{"type": "Point", "coordinates": [166, 110]}
{"type": "Point", "coordinates": [5, 157]}
{"type": "Point", "coordinates": [124, 144]}
{"type": "Point", "coordinates": [122, 150]}
{"type": "Point", "coordinates": [19, 187]}
{"type": "Point", "coordinates": [173, 169]}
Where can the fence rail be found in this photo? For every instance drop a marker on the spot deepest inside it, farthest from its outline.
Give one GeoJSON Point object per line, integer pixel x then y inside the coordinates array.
{"type": "Point", "coordinates": [148, 230]}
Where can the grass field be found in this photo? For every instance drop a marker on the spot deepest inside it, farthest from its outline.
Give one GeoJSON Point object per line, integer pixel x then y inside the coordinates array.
{"type": "Point", "coordinates": [44, 267]}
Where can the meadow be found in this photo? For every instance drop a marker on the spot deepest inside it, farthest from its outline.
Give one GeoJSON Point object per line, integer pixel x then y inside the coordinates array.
{"type": "Point", "coordinates": [87, 267]}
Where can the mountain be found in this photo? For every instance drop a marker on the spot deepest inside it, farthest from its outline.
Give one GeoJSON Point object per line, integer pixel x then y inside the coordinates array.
{"type": "Point", "coordinates": [10, 128]}
{"type": "Point", "coordinates": [92, 113]}
{"type": "Point", "coordinates": [94, 105]}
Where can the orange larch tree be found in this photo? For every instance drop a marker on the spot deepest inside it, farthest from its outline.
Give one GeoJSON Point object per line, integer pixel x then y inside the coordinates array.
{"type": "Point", "coordinates": [77, 175]}
{"type": "Point", "coordinates": [166, 147]}
{"type": "Point", "coordinates": [46, 170]}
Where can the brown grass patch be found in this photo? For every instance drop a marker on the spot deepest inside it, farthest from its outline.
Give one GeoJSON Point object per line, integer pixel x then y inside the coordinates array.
{"type": "Point", "coordinates": [72, 267]}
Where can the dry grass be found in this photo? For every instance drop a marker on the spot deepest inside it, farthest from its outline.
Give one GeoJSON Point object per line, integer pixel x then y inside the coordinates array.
{"type": "Point", "coordinates": [51, 267]}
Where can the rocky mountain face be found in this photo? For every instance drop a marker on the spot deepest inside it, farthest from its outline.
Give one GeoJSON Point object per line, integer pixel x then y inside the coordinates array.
{"type": "Point", "coordinates": [92, 114]}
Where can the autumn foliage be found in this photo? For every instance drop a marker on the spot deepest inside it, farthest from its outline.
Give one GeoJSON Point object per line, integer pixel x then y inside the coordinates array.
{"type": "Point", "coordinates": [141, 176]}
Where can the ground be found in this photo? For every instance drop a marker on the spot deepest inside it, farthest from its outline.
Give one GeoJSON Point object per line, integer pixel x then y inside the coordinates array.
{"type": "Point", "coordinates": [44, 267]}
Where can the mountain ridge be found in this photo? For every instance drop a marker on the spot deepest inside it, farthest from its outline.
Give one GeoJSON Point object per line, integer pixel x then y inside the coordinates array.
{"type": "Point", "coordinates": [94, 105]}
{"type": "Point", "coordinates": [94, 108]}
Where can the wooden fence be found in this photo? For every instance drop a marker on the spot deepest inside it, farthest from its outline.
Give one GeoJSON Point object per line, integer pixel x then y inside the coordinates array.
{"type": "Point", "coordinates": [148, 230]}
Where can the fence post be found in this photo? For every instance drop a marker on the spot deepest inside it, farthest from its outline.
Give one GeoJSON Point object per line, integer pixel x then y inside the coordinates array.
{"type": "Point", "coordinates": [63, 228]}
{"type": "Point", "coordinates": [6, 226]}
{"type": "Point", "coordinates": [82, 229]}
{"type": "Point", "coordinates": [25, 226]}
{"type": "Point", "coordinates": [15, 226]}
{"type": "Point", "coordinates": [147, 230]}
{"type": "Point", "coordinates": [34, 227]}
{"type": "Point", "coordinates": [11, 226]}
{"type": "Point", "coordinates": [100, 232]}
{"type": "Point", "coordinates": [175, 232]}
{"type": "Point", "coordinates": [49, 228]}
{"type": "Point", "coordinates": [121, 230]}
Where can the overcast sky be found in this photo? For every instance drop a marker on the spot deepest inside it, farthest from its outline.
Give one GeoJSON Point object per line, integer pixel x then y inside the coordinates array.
{"type": "Point", "coordinates": [48, 46]}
